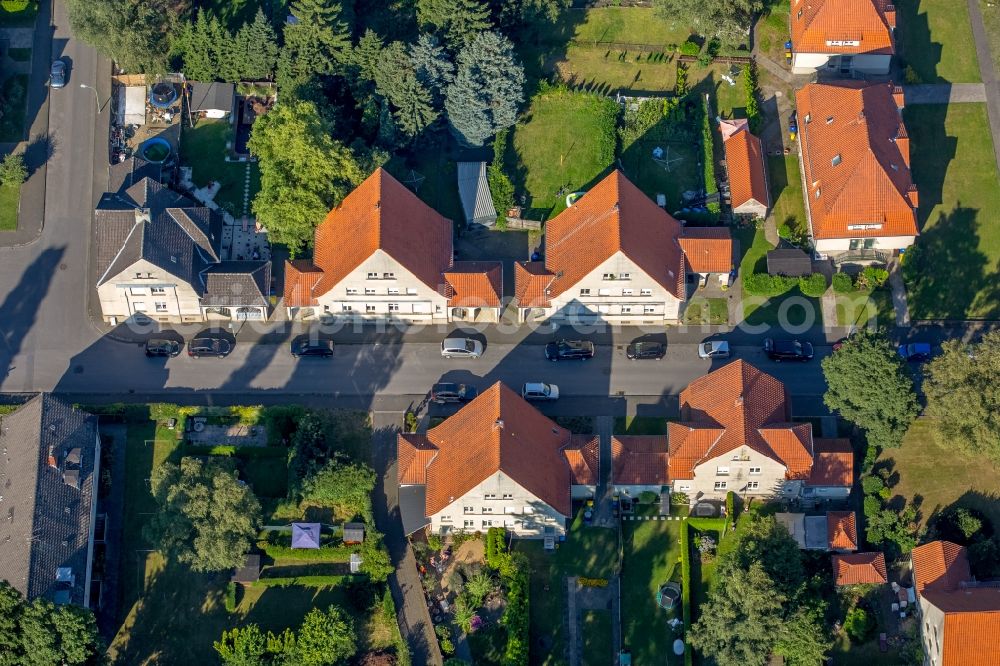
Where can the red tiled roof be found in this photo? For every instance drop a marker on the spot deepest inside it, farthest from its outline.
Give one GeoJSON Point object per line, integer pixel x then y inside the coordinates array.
{"type": "Point", "coordinates": [707, 249]}
{"type": "Point", "coordinates": [852, 160]}
{"type": "Point", "coordinates": [530, 282]}
{"type": "Point", "coordinates": [300, 278]}
{"type": "Point", "coordinates": [583, 456]}
{"type": "Point", "coordinates": [382, 214]}
{"type": "Point", "coordinates": [751, 408]}
{"type": "Point", "coordinates": [859, 569]}
{"type": "Point", "coordinates": [413, 454]}
{"type": "Point", "coordinates": [842, 530]}
{"type": "Point", "coordinates": [640, 460]}
{"type": "Point", "coordinates": [971, 614]}
{"type": "Point", "coordinates": [834, 463]}
{"type": "Point", "coordinates": [498, 431]}
{"type": "Point", "coordinates": [745, 166]}
{"type": "Point", "coordinates": [475, 284]}
{"type": "Point", "coordinates": [615, 216]}
{"type": "Point", "coordinates": [815, 22]}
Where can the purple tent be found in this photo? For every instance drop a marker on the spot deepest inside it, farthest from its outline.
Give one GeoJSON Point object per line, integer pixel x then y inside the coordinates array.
{"type": "Point", "coordinates": [305, 535]}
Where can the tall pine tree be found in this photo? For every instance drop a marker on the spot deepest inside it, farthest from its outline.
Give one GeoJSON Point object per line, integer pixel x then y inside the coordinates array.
{"type": "Point", "coordinates": [487, 91]}
{"type": "Point", "coordinates": [432, 66]}
{"type": "Point", "coordinates": [315, 44]}
{"type": "Point", "coordinates": [256, 49]}
{"type": "Point", "coordinates": [458, 20]}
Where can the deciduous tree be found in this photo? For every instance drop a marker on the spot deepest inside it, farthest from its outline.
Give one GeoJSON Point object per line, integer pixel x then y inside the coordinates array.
{"type": "Point", "coordinates": [870, 385]}
{"type": "Point", "coordinates": [206, 518]}
{"type": "Point", "coordinates": [131, 32]}
{"type": "Point", "coordinates": [40, 633]}
{"type": "Point", "coordinates": [325, 638]}
{"type": "Point", "coordinates": [487, 91]}
{"type": "Point", "coordinates": [242, 646]}
{"type": "Point", "coordinates": [13, 173]}
{"type": "Point", "coordinates": [963, 395]}
{"type": "Point", "coordinates": [802, 640]}
{"type": "Point", "coordinates": [728, 20]}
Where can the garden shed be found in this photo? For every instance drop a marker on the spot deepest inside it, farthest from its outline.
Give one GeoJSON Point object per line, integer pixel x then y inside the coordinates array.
{"type": "Point", "coordinates": [305, 535]}
{"type": "Point", "coordinates": [213, 99]}
{"type": "Point", "coordinates": [354, 532]}
{"type": "Point", "coordinates": [135, 105]}
{"type": "Point", "coordinates": [250, 571]}
{"type": "Point", "coordinates": [791, 262]}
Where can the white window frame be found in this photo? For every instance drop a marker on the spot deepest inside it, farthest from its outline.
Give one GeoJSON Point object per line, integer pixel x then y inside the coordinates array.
{"type": "Point", "coordinates": [626, 309]}
{"type": "Point", "coordinates": [648, 309]}
{"type": "Point", "coordinates": [468, 509]}
{"type": "Point", "coordinates": [603, 292]}
{"type": "Point", "coordinates": [755, 470]}
{"type": "Point", "coordinates": [372, 275]}
{"type": "Point", "coordinates": [753, 485]}
{"type": "Point", "coordinates": [487, 509]}
{"type": "Point", "coordinates": [352, 291]}
{"type": "Point", "coordinates": [628, 292]}
{"type": "Point", "coordinates": [645, 292]}
{"type": "Point", "coordinates": [721, 485]}
{"type": "Point", "coordinates": [139, 306]}
{"type": "Point", "coordinates": [585, 292]}
{"type": "Point", "coordinates": [138, 291]}
{"type": "Point", "coordinates": [160, 306]}
{"type": "Point", "coordinates": [624, 276]}
{"type": "Point", "coordinates": [393, 291]}
{"type": "Point", "coordinates": [608, 276]}
{"type": "Point", "coordinates": [722, 470]}
{"type": "Point", "coordinates": [490, 496]}
{"type": "Point", "coordinates": [393, 307]}
{"type": "Point", "coordinates": [369, 291]}
{"type": "Point", "coordinates": [445, 519]}
{"type": "Point", "coordinates": [388, 276]}
{"type": "Point", "coordinates": [157, 291]}
{"type": "Point", "coordinates": [508, 496]}
{"type": "Point", "coordinates": [411, 291]}
{"type": "Point", "coordinates": [369, 307]}
{"type": "Point", "coordinates": [469, 523]}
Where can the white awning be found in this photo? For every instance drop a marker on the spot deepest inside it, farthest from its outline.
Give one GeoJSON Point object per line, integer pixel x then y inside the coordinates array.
{"type": "Point", "coordinates": [135, 105]}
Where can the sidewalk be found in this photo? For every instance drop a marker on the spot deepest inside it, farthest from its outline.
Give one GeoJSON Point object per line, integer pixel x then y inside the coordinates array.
{"type": "Point", "coordinates": [944, 93]}
{"type": "Point", "coordinates": [987, 72]}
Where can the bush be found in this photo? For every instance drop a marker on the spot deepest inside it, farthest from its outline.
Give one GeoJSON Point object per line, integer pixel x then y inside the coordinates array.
{"type": "Point", "coordinates": [679, 499]}
{"type": "Point", "coordinates": [243, 452]}
{"type": "Point", "coordinates": [872, 277]}
{"type": "Point", "coordinates": [231, 597]}
{"type": "Point", "coordinates": [681, 84]}
{"type": "Point", "coordinates": [813, 285]}
{"type": "Point", "coordinates": [593, 582]}
{"type": "Point", "coordinates": [872, 485]}
{"type": "Point", "coordinates": [12, 170]}
{"type": "Point", "coordinates": [859, 624]}
{"type": "Point", "coordinates": [281, 422]}
{"type": "Point", "coordinates": [501, 187]}
{"type": "Point", "coordinates": [324, 554]}
{"type": "Point", "coordinates": [434, 541]}
{"type": "Point", "coordinates": [707, 143]}
{"type": "Point", "coordinates": [306, 581]}
{"type": "Point", "coordinates": [842, 283]}
{"type": "Point", "coordinates": [910, 75]}
{"type": "Point", "coordinates": [410, 421]}
{"type": "Point", "coordinates": [731, 509]}
{"type": "Point", "coordinates": [750, 89]}
{"type": "Point", "coordinates": [647, 497]}
{"type": "Point", "coordinates": [686, 586]}
{"type": "Point", "coordinates": [785, 231]}
{"type": "Point", "coordinates": [762, 284]}
{"type": "Point", "coordinates": [690, 48]}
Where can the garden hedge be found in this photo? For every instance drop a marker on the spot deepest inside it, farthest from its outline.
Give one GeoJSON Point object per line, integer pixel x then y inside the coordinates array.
{"type": "Point", "coordinates": [813, 285]}
{"type": "Point", "coordinates": [237, 451]}
{"type": "Point", "coordinates": [686, 586]}
{"type": "Point", "coordinates": [842, 283]}
{"type": "Point", "coordinates": [335, 554]}
{"type": "Point", "coordinates": [307, 581]}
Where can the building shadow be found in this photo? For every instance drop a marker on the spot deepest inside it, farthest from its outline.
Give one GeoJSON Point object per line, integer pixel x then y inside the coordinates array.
{"type": "Point", "coordinates": [19, 311]}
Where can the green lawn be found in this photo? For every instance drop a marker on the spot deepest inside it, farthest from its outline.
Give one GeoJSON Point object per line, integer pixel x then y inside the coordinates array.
{"type": "Point", "coordinates": [991, 20]}
{"type": "Point", "coordinates": [640, 425]}
{"type": "Point", "coordinates": [786, 190]}
{"type": "Point", "coordinates": [943, 475]}
{"type": "Point", "coordinates": [14, 96]}
{"type": "Point", "coordinates": [9, 198]}
{"type": "Point", "coordinates": [756, 309]}
{"type": "Point", "coordinates": [203, 148]}
{"type": "Point", "coordinates": [772, 30]}
{"type": "Point", "coordinates": [935, 38]}
{"type": "Point", "coordinates": [595, 626]}
{"type": "Point", "coordinates": [859, 307]}
{"type": "Point", "coordinates": [566, 144]}
{"type": "Point", "coordinates": [634, 25]}
{"type": "Point", "coordinates": [707, 311]}
{"type": "Point", "coordinates": [651, 558]}
{"type": "Point", "coordinates": [954, 272]}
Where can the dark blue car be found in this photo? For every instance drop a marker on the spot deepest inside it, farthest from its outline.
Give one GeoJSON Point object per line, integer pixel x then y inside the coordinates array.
{"type": "Point", "coordinates": [915, 352]}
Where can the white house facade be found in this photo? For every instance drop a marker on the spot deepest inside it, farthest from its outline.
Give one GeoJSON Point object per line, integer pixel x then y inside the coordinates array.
{"type": "Point", "coordinates": [842, 36]}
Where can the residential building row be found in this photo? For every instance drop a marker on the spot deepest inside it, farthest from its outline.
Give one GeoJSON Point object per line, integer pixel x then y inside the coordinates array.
{"type": "Point", "coordinates": [499, 462]}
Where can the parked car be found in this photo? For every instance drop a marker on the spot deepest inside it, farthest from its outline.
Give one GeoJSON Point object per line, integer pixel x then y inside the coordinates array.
{"type": "Point", "coordinates": [646, 350]}
{"type": "Point", "coordinates": [569, 350]}
{"type": "Point", "coordinates": [162, 347]}
{"type": "Point", "coordinates": [210, 344]}
{"type": "Point", "coordinates": [539, 391]}
{"type": "Point", "coordinates": [788, 350]}
{"type": "Point", "coordinates": [461, 348]}
{"type": "Point", "coordinates": [915, 352]}
{"type": "Point", "coordinates": [448, 392]}
{"type": "Point", "coordinates": [57, 74]}
{"type": "Point", "coordinates": [713, 349]}
{"type": "Point", "coordinates": [306, 347]}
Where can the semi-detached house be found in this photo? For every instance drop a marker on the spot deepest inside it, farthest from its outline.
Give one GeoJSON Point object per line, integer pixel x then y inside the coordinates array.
{"type": "Point", "coordinates": [382, 253]}
{"type": "Point", "coordinates": [842, 36]}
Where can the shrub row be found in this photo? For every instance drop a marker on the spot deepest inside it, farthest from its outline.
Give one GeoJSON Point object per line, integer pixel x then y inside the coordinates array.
{"type": "Point", "coordinates": [337, 554]}
{"type": "Point", "coordinates": [871, 277]}
{"type": "Point", "coordinates": [763, 284]}
{"type": "Point", "coordinates": [238, 451]}
{"type": "Point", "coordinates": [307, 581]}
{"type": "Point", "coordinates": [501, 187]}
{"type": "Point", "coordinates": [593, 582]}
{"type": "Point", "coordinates": [686, 587]}
{"type": "Point", "coordinates": [707, 143]}
{"type": "Point", "coordinates": [750, 88]}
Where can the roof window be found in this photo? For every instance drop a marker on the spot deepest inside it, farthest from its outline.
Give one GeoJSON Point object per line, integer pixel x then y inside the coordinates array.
{"type": "Point", "coordinates": [836, 160]}
{"type": "Point", "coordinates": [829, 120]}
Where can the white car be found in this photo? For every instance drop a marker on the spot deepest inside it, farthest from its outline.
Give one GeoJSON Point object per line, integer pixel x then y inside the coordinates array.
{"type": "Point", "coordinates": [461, 348]}
{"type": "Point", "coordinates": [713, 349]}
{"type": "Point", "coordinates": [539, 391]}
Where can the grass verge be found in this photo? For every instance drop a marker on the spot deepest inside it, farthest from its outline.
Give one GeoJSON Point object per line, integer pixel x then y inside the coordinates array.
{"type": "Point", "coordinates": [9, 200]}
{"type": "Point", "coordinates": [934, 37]}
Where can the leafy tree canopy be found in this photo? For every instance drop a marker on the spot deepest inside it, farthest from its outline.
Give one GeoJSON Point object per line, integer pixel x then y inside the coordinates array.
{"type": "Point", "coordinates": [41, 633]}
{"type": "Point", "coordinates": [324, 639]}
{"type": "Point", "coordinates": [132, 33]}
{"type": "Point", "coordinates": [206, 517]}
{"type": "Point", "coordinates": [728, 20]}
{"type": "Point", "coordinates": [870, 385]}
{"type": "Point", "coordinates": [487, 90]}
{"type": "Point", "coordinates": [963, 395]}
{"type": "Point", "coordinates": [12, 170]}
{"type": "Point", "coordinates": [346, 487]}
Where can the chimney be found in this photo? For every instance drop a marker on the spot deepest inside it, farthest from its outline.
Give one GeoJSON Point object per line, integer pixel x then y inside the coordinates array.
{"type": "Point", "coordinates": [912, 194]}
{"type": "Point", "coordinates": [52, 458]}
{"type": "Point", "coordinates": [498, 424]}
{"type": "Point", "coordinates": [142, 215]}
{"type": "Point", "coordinates": [898, 97]}
{"type": "Point", "coordinates": [890, 16]}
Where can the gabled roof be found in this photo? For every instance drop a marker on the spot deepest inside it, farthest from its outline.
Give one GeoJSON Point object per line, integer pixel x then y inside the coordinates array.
{"type": "Point", "coordinates": [639, 460]}
{"type": "Point", "coordinates": [583, 455]}
{"type": "Point", "coordinates": [300, 278]}
{"type": "Point", "coordinates": [413, 453]}
{"type": "Point", "coordinates": [856, 159]}
{"type": "Point", "coordinates": [498, 431]}
{"type": "Point", "coordinates": [745, 165]}
{"type": "Point", "coordinates": [833, 464]}
{"type": "Point", "coordinates": [971, 613]}
{"type": "Point", "coordinates": [868, 22]}
{"type": "Point", "coordinates": [474, 284]}
{"type": "Point", "coordinates": [148, 221]}
{"type": "Point", "coordinates": [615, 216]}
{"type": "Point", "coordinates": [734, 406]}
{"type": "Point", "coordinates": [859, 569]}
{"type": "Point", "coordinates": [38, 534]}
{"type": "Point", "coordinates": [123, 175]}
{"type": "Point", "coordinates": [382, 214]}
{"type": "Point", "coordinates": [211, 95]}
{"type": "Point", "coordinates": [842, 530]}
{"type": "Point", "coordinates": [237, 283]}
{"type": "Point", "coordinates": [707, 249]}
{"type": "Point", "coordinates": [531, 280]}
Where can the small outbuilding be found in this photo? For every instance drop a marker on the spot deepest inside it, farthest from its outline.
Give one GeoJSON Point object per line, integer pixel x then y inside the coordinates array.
{"type": "Point", "coordinates": [791, 262]}
{"type": "Point", "coordinates": [250, 571]}
{"type": "Point", "coordinates": [305, 535]}
{"type": "Point", "coordinates": [474, 191]}
{"type": "Point", "coordinates": [355, 563]}
{"type": "Point", "coordinates": [214, 99]}
{"type": "Point", "coordinates": [354, 533]}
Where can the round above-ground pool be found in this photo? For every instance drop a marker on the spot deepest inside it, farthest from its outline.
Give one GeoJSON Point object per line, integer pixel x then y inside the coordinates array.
{"type": "Point", "coordinates": [155, 150]}
{"type": "Point", "coordinates": [162, 95]}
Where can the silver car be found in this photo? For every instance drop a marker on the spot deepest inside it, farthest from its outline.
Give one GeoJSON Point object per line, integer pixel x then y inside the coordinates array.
{"type": "Point", "coordinates": [57, 75]}
{"type": "Point", "coordinates": [461, 348]}
{"type": "Point", "coordinates": [539, 391]}
{"type": "Point", "coordinates": [713, 349]}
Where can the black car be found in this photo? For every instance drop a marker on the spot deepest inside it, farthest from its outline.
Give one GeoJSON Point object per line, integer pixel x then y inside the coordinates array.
{"type": "Point", "coordinates": [162, 347]}
{"type": "Point", "coordinates": [569, 350]}
{"type": "Point", "coordinates": [645, 350]}
{"type": "Point", "coordinates": [788, 350]}
{"type": "Point", "coordinates": [322, 348]}
{"type": "Point", "coordinates": [448, 392]}
{"type": "Point", "coordinates": [209, 344]}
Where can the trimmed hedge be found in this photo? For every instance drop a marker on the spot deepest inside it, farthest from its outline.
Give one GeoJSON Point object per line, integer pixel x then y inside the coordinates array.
{"type": "Point", "coordinates": [238, 451]}
{"type": "Point", "coordinates": [763, 284]}
{"type": "Point", "coordinates": [230, 597]}
{"type": "Point", "coordinates": [335, 554]}
{"type": "Point", "coordinates": [813, 285]}
{"type": "Point", "coordinates": [307, 581]}
{"type": "Point", "coordinates": [842, 283]}
{"type": "Point", "coordinates": [750, 88]}
{"type": "Point", "coordinates": [707, 143]}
